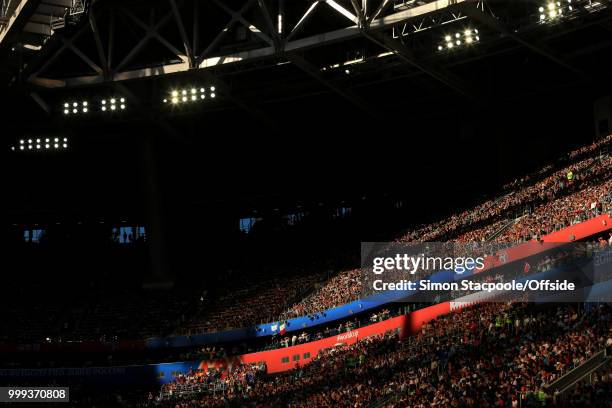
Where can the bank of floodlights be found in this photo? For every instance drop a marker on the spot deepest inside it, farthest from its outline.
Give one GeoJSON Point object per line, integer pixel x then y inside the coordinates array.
{"type": "Point", "coordinates": [41, 143]}
{"type": "Point", "coordinates": [190, 95]}
{"type": "Point", "coordinates": [555, 9]}
{"type": "Point", "coordinates": [84, 107]}
{"type": "Point", "coordinates": [459, 39]}
{"type": "Point", "coordinates": [112, 104]}
{"type": "Point", "coordinates": [74, 108]}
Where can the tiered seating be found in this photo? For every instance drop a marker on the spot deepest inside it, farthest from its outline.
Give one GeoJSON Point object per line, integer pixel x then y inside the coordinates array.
{"type": "Point", "coordinates": [491, 355]}
{"type": "Point", "coordinates": [547, 200]}
{"type": "Point", "coordinates": [555, 203]}
{"type": "Point", "coordinates": [261, 301]}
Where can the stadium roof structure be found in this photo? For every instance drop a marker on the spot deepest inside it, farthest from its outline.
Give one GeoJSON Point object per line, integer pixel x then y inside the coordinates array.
{"type": "Point", "coordinates": [259, 52]}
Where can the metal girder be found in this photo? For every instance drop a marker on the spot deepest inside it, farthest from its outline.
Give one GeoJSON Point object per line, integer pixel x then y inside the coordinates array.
{"type": "Point", "coordinates": [151, 32]}
{"type": "Point", "coordinates": [83, 57]}
{"type": "Point", "coordinates": [346, 94]}
{"type": "Point", "coordinates": [489, 21]}
{"type": "Point", "coordinates": [238, 16]}
{"type": "Point", "coordinates": [41, 102]}
{"type": "Point", "coordinates": [342, 11]}
{"type": "Point", "coordinates": [99, 47]}
{"type": "Point", "coordinates": [289, 45]}
{"type": "Point", "coordinates": [183, 32]}
{"type": "Point", "coordinates": [405, 54]}
{"type": "Point", "coordinates": [64, 46]}
{"type": "Point", "coordinates": [268, 18]}
{"type": "Point", "coordinates": [15, 15]}
{"type": "Point", "coordinates": [217, 40]}
{"type": "Point", "coordinates": [303, 20]}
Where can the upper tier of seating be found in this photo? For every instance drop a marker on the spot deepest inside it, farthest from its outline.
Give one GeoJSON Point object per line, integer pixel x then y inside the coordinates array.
{"type": "Point", "coordinates": [532, 206]}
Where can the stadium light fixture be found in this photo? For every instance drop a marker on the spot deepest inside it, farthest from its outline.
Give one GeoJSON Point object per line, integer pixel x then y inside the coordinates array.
{"type": "Point", "coordinates": [464, 38]}
{"type": "Point", "coordinates": [113, 104]}
{"type": "Point", "coordinates": [553, 10]}
{"type": "Point", "coordinates": [75, 107]}
{"type": "Point", "coordinates": [41, 144]}
{"type": "Point", "coordinates": [187, 95]}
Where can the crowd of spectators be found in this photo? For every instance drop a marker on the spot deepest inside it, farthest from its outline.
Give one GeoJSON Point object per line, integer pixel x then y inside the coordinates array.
{"type": "Point", "coordinates": [335, 292]}
{"type": "Point", "coordinates": [593, 392]}
{"type": "Point", "coordinates": [558, 195]}
{"type": "Point", "coordinates": [254, 302]}
{"type": "Point", "coordinates": [495, 354]}
{"type": "Point", "coordinates": [552, 198]}
{"type": "Point", "coordinates": [226, 381]}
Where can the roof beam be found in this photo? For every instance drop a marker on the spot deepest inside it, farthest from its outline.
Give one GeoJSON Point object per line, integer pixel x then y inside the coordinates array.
{"type": "Point", "coordinates": [179, 22]}
{"type": "Point", "coordinates": [301, 44]}
{"type": "Point", "coordinates": [15, 15]}
{"type": "Point", "coordinates": [314, 72]}
{"type": "Point", "coordinates": [406, 55]}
